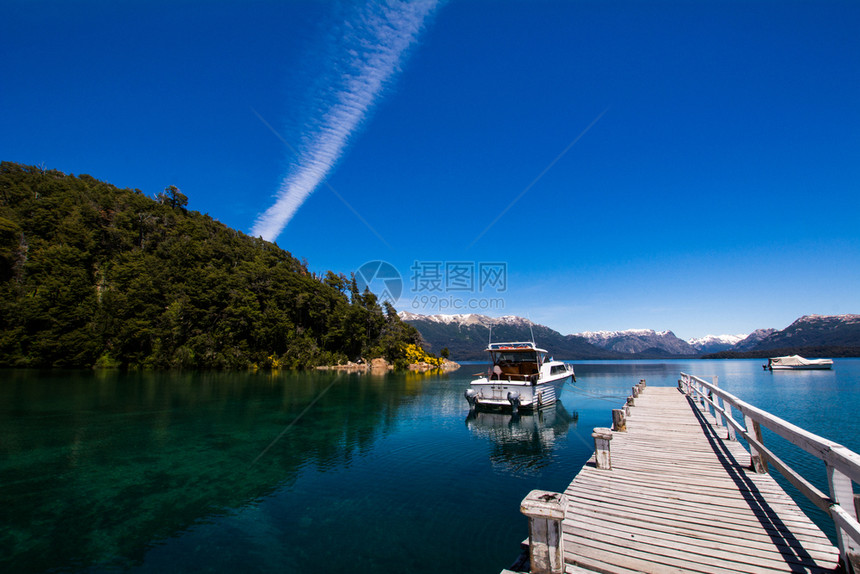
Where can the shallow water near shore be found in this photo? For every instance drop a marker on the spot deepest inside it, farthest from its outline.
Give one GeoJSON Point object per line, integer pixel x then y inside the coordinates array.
{"type": "Point", "coordinates": [322, 472]}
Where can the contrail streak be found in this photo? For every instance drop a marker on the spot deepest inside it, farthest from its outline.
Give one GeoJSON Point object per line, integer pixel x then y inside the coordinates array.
{"type": "Point", "coordinates": [373, 42]}
{"type": "Point", "coordinates": [327, 184]}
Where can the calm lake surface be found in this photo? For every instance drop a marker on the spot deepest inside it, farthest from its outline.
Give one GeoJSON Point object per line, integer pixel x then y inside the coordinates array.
{"type": "Point", "coordinates": [286, 472]}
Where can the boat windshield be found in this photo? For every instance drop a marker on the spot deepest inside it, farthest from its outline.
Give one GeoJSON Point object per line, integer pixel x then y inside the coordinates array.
{"type": "Point", "coordinates": [515, 365]}
{"type": "Point", "coordinates": [520, 357]}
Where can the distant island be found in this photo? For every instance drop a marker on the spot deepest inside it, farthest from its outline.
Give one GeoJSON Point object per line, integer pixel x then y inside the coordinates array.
{"type": "Point", "coordinates": [96, 276]}
{"type": "Point", "coordinates": [466, 336]}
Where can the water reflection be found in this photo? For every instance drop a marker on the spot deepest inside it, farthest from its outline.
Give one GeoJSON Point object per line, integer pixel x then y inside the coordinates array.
{"type": "Point", "coordinates": [146, 472]}
{"type": "Point", "coordinates": [97, 468]}
{"type": "Point", "coordinates": [522, 443]}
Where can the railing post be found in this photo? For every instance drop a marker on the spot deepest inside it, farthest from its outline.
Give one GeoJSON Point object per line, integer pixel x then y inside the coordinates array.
{"type": "Point", "coordinates": [601, 437]}
{"type": "Point", "coordinates": [756, 460]}
{"type": "Point", "coordinates": [631, 402]}
{"type": "Point", "coordinates": [718, 402]}
{"type": "Point", "coordinates": [635, 391]}
{"type": "Point", "coordinates": [842, 493]}
{"type": "Point", "coordinates": [696, 393]}
{"type": "Point", "coordinates": [619, 421]}
{"type": "Point", "coordinates": [855, 557]}
{"type": "Point", "coordinates": [729, 427]}
{"type": "Point", "coordinates": [642, 383]}
{"type": "Point", "coordinates": [857, 506]}
{"type": "Point", "coordinates": [693, 386]}
{"type": "Point", "coordinates": [545, 511]}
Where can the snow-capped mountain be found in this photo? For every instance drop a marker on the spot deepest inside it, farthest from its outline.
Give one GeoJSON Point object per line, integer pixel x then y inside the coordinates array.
{"type": "Point", "coordinates": [753, 339]}
{"type": "Point", "coordinates": [466, 319]}
{"type": "Point", "coordinates": [715, 343]}
{"type": "Point", "coordinates": [815, 331]}
{"type": "Point", "coordinates": [466, 336]}
{"type": "Point", "coordinates": [639, 341]}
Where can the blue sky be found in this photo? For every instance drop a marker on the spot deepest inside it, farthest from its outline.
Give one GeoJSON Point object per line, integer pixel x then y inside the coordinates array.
{"type": "Point", "coordinates": [712, 184]}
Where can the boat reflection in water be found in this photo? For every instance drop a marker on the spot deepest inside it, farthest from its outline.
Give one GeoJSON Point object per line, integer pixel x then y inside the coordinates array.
{"type": "Point", "coordinates": [522, 443]}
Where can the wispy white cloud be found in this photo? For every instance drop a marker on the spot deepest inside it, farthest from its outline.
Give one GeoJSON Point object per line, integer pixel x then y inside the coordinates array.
{"type": "Point", "coordinates": [370, 43]}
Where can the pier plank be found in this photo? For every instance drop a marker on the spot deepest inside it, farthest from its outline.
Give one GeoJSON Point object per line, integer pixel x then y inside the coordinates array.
{"type": "Point", "coordinates": [692, 513]}
{"type": "Point", "coordinates": [681, 498]}
{"type": "Point", "coordinates": [707, 536]}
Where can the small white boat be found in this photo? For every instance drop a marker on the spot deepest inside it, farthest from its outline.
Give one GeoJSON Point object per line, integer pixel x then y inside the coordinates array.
{"type": "Point", "coordinates": [521, 376]}
{"type": "Point", "coordinates": [796, 363]}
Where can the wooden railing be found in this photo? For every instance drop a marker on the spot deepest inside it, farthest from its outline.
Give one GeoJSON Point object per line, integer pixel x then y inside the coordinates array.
{"type": "Point", "coordinates": [843, 465]}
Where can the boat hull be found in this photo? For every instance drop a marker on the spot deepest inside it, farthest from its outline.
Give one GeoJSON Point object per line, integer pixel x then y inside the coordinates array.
{"type": "Point", "coordinates": [797, 363]}
{"type": "Point", "coordinates": [496, 394]}
{"type": "Point", "coordinates": [823, 367]}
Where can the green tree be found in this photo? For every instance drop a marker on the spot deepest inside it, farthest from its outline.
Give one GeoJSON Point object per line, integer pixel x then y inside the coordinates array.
{"type": "Point", "coordinates": [172, 197]}
{"type": "Point", "coordinates": [10, 246]}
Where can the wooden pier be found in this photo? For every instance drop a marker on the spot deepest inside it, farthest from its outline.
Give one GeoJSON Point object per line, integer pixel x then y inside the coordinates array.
{"type": "Point", "coordinates": [670, 490]}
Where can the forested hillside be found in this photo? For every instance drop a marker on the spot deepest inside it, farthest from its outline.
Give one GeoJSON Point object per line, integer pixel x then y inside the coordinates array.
{"type": "Point", "coordinates": [93, 275]}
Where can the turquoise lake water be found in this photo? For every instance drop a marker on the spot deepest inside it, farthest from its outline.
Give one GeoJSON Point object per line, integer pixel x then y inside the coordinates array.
{"type": "Point", "coordinates": [286, 472]}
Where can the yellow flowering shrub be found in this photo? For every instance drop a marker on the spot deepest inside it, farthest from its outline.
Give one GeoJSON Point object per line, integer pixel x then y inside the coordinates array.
{"type": "Point", "coordinates": [415, 354]}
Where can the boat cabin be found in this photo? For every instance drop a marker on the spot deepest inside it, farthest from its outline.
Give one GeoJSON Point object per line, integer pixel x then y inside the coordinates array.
{"type": "Point", "coordinates": [515, 361]}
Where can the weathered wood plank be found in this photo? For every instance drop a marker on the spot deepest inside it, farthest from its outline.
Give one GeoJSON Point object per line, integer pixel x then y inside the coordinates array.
{"type": "Point", "coordinates": [706, 536]}
{"type": "Point", "coordinates": [651, 559]}
{"type": "Point", "coordinates": [710, 489]}
{"type": "Point", "coordinates": [695, 524]}
{"type": "Point", "coordinates": [680, 497]}
{"type": "Point", "coordinates": [648, 506]}
{"type": "Point", "coordinates": [678, 551]}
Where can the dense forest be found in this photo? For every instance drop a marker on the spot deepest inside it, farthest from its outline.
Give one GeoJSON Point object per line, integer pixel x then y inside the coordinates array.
{"type": "Point", "coordinates": [92, 275]}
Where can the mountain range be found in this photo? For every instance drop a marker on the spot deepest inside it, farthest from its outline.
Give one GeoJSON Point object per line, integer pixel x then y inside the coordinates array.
{"type": "Point", "coordinates": [466, 336]}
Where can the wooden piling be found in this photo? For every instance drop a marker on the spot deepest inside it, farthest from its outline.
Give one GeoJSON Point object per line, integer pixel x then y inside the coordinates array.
{"type": "Point", "coordinates": [602, 436]}
{"type": "Point", "coordinates": [545, 511]}
{"type": "Point", "coordinates": [619, 421]}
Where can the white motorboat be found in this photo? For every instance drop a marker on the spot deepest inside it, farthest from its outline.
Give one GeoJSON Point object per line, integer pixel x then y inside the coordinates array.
{"type": "Point", "coordinates": [796, 363]}
{"type": "Point", "coordinates": [521, 376]}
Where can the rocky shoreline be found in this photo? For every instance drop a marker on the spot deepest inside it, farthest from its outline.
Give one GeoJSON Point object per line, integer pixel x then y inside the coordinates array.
{"type": "Point", "coordinates": [382, 366]}
{"type": "Point", "coordinates": [446, 367]}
